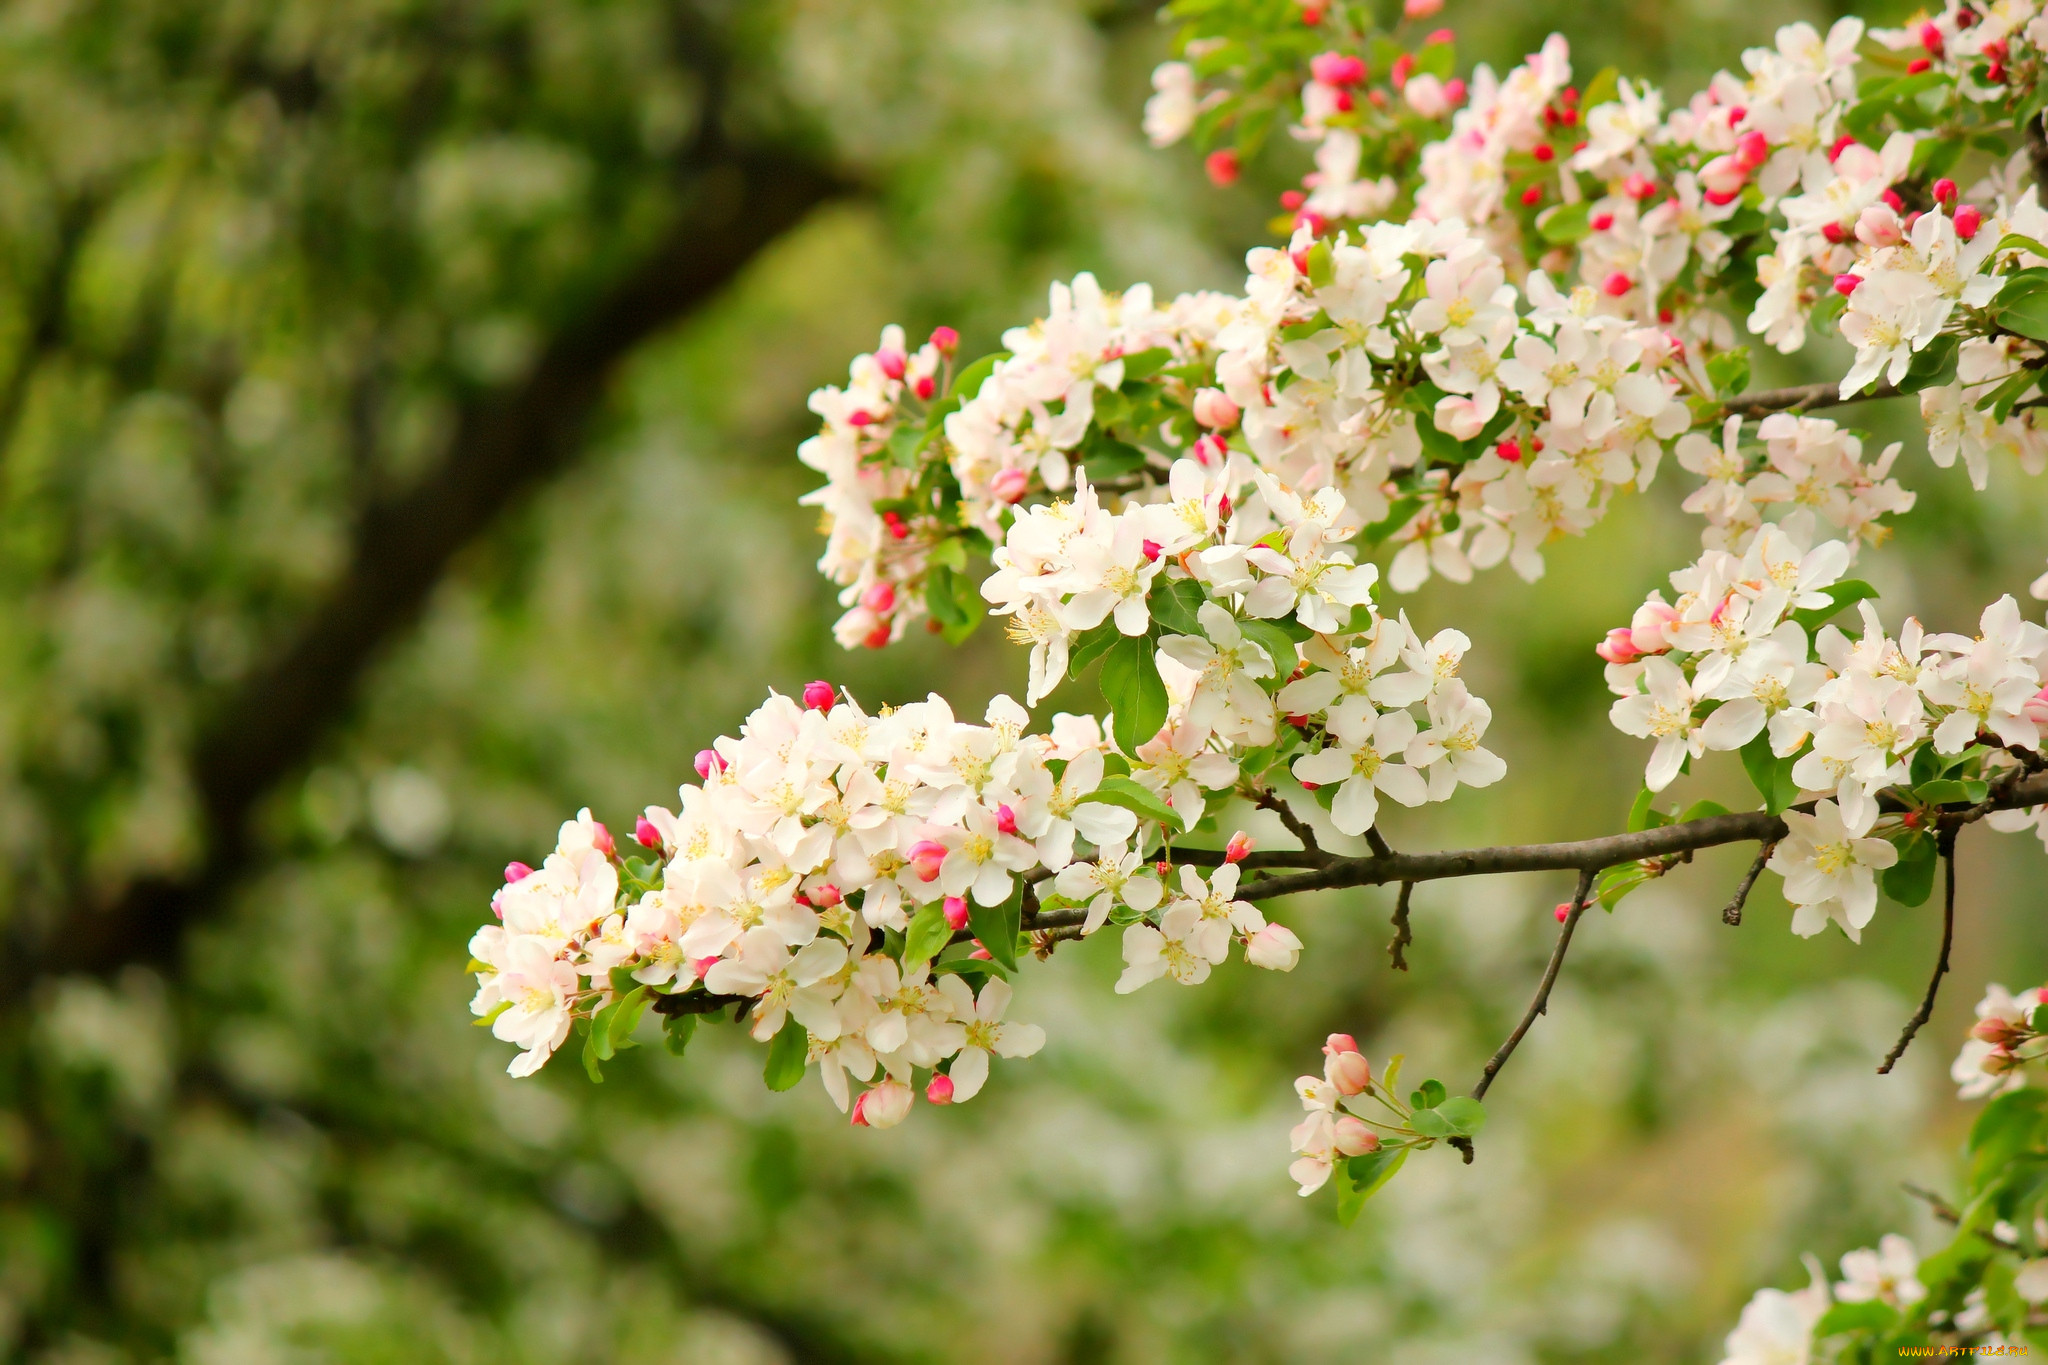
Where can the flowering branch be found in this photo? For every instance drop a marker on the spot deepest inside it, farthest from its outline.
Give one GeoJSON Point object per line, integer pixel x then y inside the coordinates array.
{"type": "Point", "coordinates": [1800, 398]}
{"type": "Point", "coordinates": [1396, 949]}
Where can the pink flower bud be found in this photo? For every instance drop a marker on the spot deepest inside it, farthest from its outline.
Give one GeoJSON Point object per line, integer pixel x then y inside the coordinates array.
{"type": "Point", "coordinates": [1600, 222]}
{"type": "Point", "coordinates": [601, 839]}
{"type": "Point", "coordinates": [1945, 192]}
{"type": "Point", "coordinates": [1339, 1042]}
{"type": "Point", "coordinates": [926, 855]}
{"type": "Point", "coordinates": [945, 340]}
{"type": "Point", "coordinates": [1563, 911]}
{"type": "Point", "coordinates": [1878, 226]}
{"type": "Point", "coordinates": [709, 762]}
{"type": "Point", "coordinates": [1509, 450]}
{"type": "Point", "coordinates": [1336, 68]}
{"type": "Point", "coordinates": [1151, 549]}
{"type": "Point", "coordinates": [826, 894]}
{"type": "Point", "coordinates": [861, 417]}
{"type": "Point", "coordinates": [885, 1106]}
{"type": "Point", "coordinates": [1619, 647]}
{"type": "Point", "coordinates": [1454, 91]}
{"type": "Point", "coordinates": [1163, 868]}
{"type": "Point", "coordinates": [940, 1091]}
{"type": "Point", "coordinates": [820, 695]}
{"type": "Point", "coordinates": [1222, 167]}
{"type": "Point", "coordinates": [1845, 284]}
{"type": "Point", "coordinates": [1352, 1137]}
{"type": "Point", "coordinates": [956, 913]}
{"type": "Point", "coordinates": [1918, 65]}
{"type": "Point", "coordinates": [925, 387]}
{"type": "Point", "coordinates": [1724, 175]}
{"type": "Point", "coordinates": [1421, 9]}
{"type": "Point", "coordinates": [1010, 485]}
{"type": "Point", "coordinates": [1213, 409]}
{"type": "Point", "coordinates": [1638, 186]}
{"type": "Point", "coordinates": [517, 872]}
{"type": "Point", "coordinates": [1969, 220]}
{"type": "Point", "coordinates": [1239, 847]}
{"type": "Point", "coordinates": [1210, 450]}
{"type": "Point", "coordinates": [1834, 232]}
{"type": "Point", "coordinates": [1006, 819]}
{"type": "Point", "coordinates": [892, 362]}
{"type": "Point", "coordinates": [1440, 35]}
{"type": "Point", "coordinates": [702, 965]}
{"type": "Point", "coordinates": [1617, 284]}
{"type": "Point", "coordinates": [879, 598]}
{"type": "Point", "coordinates": [1274, 948]}
{"type": "Point", "coordinates": [1997, 1032]}
{"type": "Point", "coordinates": [980, 954]}
{"type": "Point", "coordinates": [645, 834]}
{"type": "Point", "coordinates": [1891, 197]}
{"type": "Point", "coordinates": [1403, 65]}
{"type": "Point", "coordinates": [1350, 1072]}
{"type": "Point", "coordinates": [1930, 38]}
{"type": "Point", "coordinates": [1311, 786]}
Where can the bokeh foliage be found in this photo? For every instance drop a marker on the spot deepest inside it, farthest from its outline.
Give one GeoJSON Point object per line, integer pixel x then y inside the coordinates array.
{"type": "Point", "coordinates": [256, 261]}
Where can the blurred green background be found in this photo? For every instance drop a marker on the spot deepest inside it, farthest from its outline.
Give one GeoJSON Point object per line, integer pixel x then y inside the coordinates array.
{"type": "Point", "coordinates": [405, 394]}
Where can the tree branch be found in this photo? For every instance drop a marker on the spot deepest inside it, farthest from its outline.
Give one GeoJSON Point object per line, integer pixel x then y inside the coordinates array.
{"type": "Point", "coordinates": [1397, 950]}
{"type": "Point", "coordinates": [1540, 1002]}
{"type": "Point", "coordinates": [1732, 914]}
{"type": "Point", "coordinates": [1948, 934]}
{"type": "Point", "coordinates": [505, 443]}
{"type": "Point", "coordinates": [1303, 832]}
{"type": "Point", "coordinates": [1587, 855]}
{"type": "Point", "coordinates": [1799, 398]}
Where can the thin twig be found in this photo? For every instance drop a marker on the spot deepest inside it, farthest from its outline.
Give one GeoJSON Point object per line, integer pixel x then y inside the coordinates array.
{"type": "Point", "coordinates": [1943, 1210]}
{"type": "Point", "coordinates": [1540, 1003]}
{"type": "Point", "coordinates": [1948, 934]}
{"type": "Point", "coordinates": [1732, 915]}
{"type": "Point", "coordinates": [1378, 841]}
{"type": "Point", "coordinates": [1303, 832]}
{"type": "Point", "coordinates": [1402, 938]}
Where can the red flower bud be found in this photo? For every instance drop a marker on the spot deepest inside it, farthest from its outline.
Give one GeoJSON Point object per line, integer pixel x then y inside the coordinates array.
{"type": "Point", "coordinates": [1509, 450]}
{"type": "Point", "coordinates": [1969, 219]}
{"type": "Point", "coordinates": [1930, 38]}
{"type": "Point", "coordinates": [1945, 192]}
{"type": "Point", "coordinates": [1918, 65]}
{"type": "Point", "coordinates": [1617, 284]}
{"type": "Point", "coordinates": [645, 834]}
{"type": "Point", "coordinates": [940, 1091]}
{"type": "Point", "coordinates": [1600, 222]}
{"type": "Point", "coordinates": [1222, 166]}
{"type": "Point", "coordinates": [1544, 152]}
{"type": "Point", "coordinates": [945, 340]}
{"type": "Point", "coordinates": [517, 872]}
{"type": "Point", "coordinates": [1845, 284]}
{"type": "Point", "coordinates": [956, 913]}
{"type": "Point", "coordinates": [820, 695]}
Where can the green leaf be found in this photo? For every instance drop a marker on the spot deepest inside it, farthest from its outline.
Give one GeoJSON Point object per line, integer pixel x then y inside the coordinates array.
{"type": "Point", "coordinates": [1272, 637]}
{"type": "Point", "coordinates": [1701, 810]}
{"type": "Point", "coordinates": [1948, 790]}
{"type": "Point", "coordinates": [1174, 605]}
{"type": "Point", "coordinates": [1872, 1315]}
{"type": "Point", "coordinates": [2000, 400]}
{"type": "Point", "coordinates": [904, 445]}
{"type": "Point", "coordinates": [1643, 815]}
{"type": "Point", "coordinates": [1910, 880]}
{"type": "Point", "coordinates": [625, 1017]}
{"type": "Point", "coordinates": [1769, 774]}
{"type": "Point", "coordinates": [968, 382]}
{"type": "Point", "coordinates": [1616, 882]}
{"type": "Point", "coordinates": [787, 1052]}
{"type": "Point", "coordinates": [1322, 265]}
{"type": "Point", "coordinates": [2022, 308]}
{"type": "Point", "coordinates": [1934, 366]}
{"type": "Point", "coordinates": [1729, 371]}
{"type": "Point", "coordinates": [2013, 241]}
{"type": "Point", "coordinates": [927, 934]}
{"type": "Point", "coordinates": [1089, 646]}
{"type": "Point", "coordinates": [492, 1017]}
{"type": "Point", "coordinates": [1132, 687]}
{"type": "Point", "coordinates": [997, 926]}
{"type": "Point", "coordinates": [676, 1032]}
{"type": "Point", "coordinates": [1460, 1117]}
{"type": "Point", "coordinates": [1436, 59]}
{"type": "Point", "coordinates": [1604, 88]}
{"type": "Point", "coordinates": [1566, 224]}
{"type": "Point", "coordinates": [1398, 513]}
{"type": "Point", "coordinates": [1846, 593]}
{"type": "Point", "coordinates": [1428, 1096]}
{"type": "Point", "coordinates": [1144, 364]}
{"type": "Point", "coordinates": [1144, 803]}
{"type": "Point", "coordinates": [1359, 1178]}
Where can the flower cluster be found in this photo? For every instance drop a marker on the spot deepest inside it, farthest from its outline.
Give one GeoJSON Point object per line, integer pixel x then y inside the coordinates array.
{"type": "Point", "coordinates": [2003, 1040]}
{"type": "Point", "coordinates": [1807, 467]}
{"type": "Point", "coordinates": [1267, 640]}
{"type": "Point", "coordinates": [1730, 664]}
{"type": "Point", "coordinates": [856, 883]}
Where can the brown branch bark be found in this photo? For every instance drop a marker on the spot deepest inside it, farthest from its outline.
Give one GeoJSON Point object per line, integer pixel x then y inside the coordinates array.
{"type": "Point", "coordinates": [505, 444]}
{"type": "Point", "coordinates": [1397, 950]}
{"type": "Point", "coordinates": [1540, 1002]}
{"type": "Point", "coordinates": [1731, 914]}
{"type": "Point", "coordinates": [1583, 855]}
{"type": "Point", "coordinates": [1948, 937]}
{"type": "Point", "coordinates": [1799, 398]}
